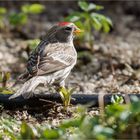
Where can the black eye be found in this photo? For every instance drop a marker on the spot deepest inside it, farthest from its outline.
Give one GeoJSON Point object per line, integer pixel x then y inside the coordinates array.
{"type": "Point", "coordinates": [68, 28]}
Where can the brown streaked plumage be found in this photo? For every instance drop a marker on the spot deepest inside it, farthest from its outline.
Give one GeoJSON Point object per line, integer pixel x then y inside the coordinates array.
{"type": "Point", "coordinates": [51, 61]}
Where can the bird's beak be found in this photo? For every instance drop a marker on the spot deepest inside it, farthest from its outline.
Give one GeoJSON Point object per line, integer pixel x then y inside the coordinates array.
{"type": "Point", "coordinates": [77, 31]}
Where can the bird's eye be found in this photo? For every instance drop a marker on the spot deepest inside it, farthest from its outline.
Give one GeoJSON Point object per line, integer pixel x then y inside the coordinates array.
{"type": "Point", "coordinates": [68, 28]}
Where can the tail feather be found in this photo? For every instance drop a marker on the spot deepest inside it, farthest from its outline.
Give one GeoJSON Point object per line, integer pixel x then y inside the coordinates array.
{"type": "Point", "coordinates": [22, 78]}
{"type": "Point", "coordinates": [25, 76]}
{"type": "Point", "coordinates": [29, 86]}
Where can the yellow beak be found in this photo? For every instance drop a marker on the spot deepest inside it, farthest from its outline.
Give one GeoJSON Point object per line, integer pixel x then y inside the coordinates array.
{"type": "Point", "coordinates": [77, 30]}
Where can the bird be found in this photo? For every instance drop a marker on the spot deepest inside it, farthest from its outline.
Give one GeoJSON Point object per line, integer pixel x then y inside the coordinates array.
{"type": "Point", "coordinates": [51, 61]}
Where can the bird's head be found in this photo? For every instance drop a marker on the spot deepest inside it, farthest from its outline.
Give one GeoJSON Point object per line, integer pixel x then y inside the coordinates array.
{"type": "Point", "coordinates": [69, 27]}
{"type": "Point", "coordinates": [64, 31]}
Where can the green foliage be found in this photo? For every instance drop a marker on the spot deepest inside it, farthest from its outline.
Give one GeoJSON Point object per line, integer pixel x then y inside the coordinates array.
{"type": "Point", "coordinates": [26, 131]}
{"type": "Point", "coordinates": [33, 43]}
{"type": "Point", "coordinates": [66, 95]}
{"type": "Point", "coordinates": [90, 20]}
{"type": "Point", "coordinates": [3, 11]}
{"type": "Point", "coordinates": [21, 18]}
{"type": "Point", "coordinates": [32, 9]}
{"type": "Point", "coordinates": [4, 78]}
{"type": "Point", "coordinates": [50, 134]}
{"type": "Point", "coordinates": [116, 99]}
{"type": "Point", "coordinates": [9, 127]}
{"type": "Point", "coordinates": [88, 7]}
{"type": "Point", "coordinates": [118, 120]}
{"type": "Point", "coordinates": [18, 19]}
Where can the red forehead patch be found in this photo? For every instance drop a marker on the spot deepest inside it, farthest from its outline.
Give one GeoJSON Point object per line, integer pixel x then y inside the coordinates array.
{"type": "Point", "coordinates": [63, 23]}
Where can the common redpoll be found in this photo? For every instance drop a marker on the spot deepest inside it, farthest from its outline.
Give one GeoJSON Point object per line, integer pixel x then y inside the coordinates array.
{"type": "Point", "coordinates": [51, 61]}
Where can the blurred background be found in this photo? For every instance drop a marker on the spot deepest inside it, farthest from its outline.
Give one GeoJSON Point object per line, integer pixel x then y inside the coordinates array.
{"type": "Point", "coordinates": [108, 62]}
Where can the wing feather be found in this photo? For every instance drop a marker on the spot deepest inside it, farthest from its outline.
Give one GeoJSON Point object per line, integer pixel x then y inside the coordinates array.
{"type": "Point", "coordinates": [34, 58]}
{"type": "Point", "coordinates": [48, 58]}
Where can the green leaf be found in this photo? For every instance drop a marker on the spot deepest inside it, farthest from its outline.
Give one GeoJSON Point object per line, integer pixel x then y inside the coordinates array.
{"type": "Point", "coordinates": [105, 22]}
{"type": "Point", "coordinates": [103, 133]}
{"type": "Point", "coordinates": [50, 134]}
{"type": "Point", "coordinates": [106, 27]}
{"type": "Point", "coordinates": [18, 19]}
{"type": "Point", "coordinates": [98, 16]}
{"type": "Point", "coordinates": [6, 91]}
{"type": "Point", "coordinates": [99, 7]}
{"type": "Point", "coordinates": [88, 7]}
{"type": "Point", "coordinates": [93, 6]}
{"type": "Point", "coordinates": [96, 23]}
{"type": "Point", "coordinates": [25, 8]}
{"type": "Point", "coordinates": [134, 98]}
{"type": "Point", "coordinates": [73, 17]}
{"type": "Point", "coordinates": [2, 88]}
{"type": "Point", "coordinates": [135, 107]}
{"type": "Point", "coordinates": [71, 123]}
{"type": "Point", "coordinates": [26, 131]}
{"type": "Point", "coordinates": [66, 95]}
{"type": "Point", "coordinates": [71, 90]}
{"type": "Point", "coordinates": [3, 10]}
{"type": "Point", "coordinates": [33, 8]}
{"type": "Point", "coordinates": [83, 5]}
{"type": "Point", "coordinates": [10, 135]}
{"type": "Point", "coordinates": [108, 20]}
{"type": "Point", "coordinates": [33, 43]}
{"type": "Point", "coordinates": [7, 75]}
{"type": "Point", "coordinates": [1, 24]}
{"type": "Point", "coordinates": [124, 115]}
{"type": "Point", "coordinates": [116, 99]}
{"type": "Point", "coordinates": [64, 91]}
{"type": "Point", "coordinates": [79, 24]}
{"type": "Point", "coordinates": [116, 109]}
{"type": "Point", "coordinates": [1, 77]}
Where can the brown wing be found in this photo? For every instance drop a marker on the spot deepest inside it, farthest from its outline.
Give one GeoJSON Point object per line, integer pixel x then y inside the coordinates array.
{"type": "Point", "coordinates": [34, 58]}
{"type": "Point", "coordinates": [52, 58]}
{"type": "Point", "coordinates": [56, 56]}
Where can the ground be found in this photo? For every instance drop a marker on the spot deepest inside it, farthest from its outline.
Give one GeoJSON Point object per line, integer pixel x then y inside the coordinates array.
{"type": "Point", "coordinates": [113, 67]}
